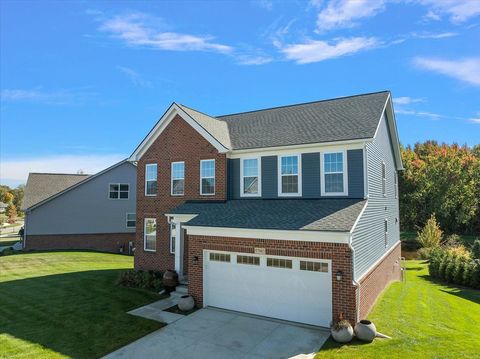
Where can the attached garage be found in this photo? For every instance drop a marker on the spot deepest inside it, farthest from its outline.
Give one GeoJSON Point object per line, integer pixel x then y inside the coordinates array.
{"type": "Point", "coordinates": [287, 288]}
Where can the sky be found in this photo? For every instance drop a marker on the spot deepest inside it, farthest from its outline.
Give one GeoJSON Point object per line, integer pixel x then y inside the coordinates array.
{"type": "Point", "coordinates": [82, 82]}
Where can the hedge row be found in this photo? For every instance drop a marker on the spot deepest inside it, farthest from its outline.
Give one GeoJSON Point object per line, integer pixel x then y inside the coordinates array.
{"type": "Point", "coordinates": [149, 280]}
{"type": "Point", "coordinates": [453, 268]}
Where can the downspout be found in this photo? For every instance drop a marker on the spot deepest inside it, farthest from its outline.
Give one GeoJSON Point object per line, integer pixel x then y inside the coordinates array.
{"type": "Point", "coordinates": [355, 283]}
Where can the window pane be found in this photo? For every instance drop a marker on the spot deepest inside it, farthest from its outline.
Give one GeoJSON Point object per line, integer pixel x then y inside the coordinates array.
{"type": "Point", "coordinates": [113, 195]}
{"type": "Point", "coordinates": [151, 226]}
{"type": "Point", "coordinates": [124, 187]}
{"type": "Point", "coordinates": [208, 185]}
{"type": "Point", "coordinates": [113, 187]}
{"type": "Point", "coordinates": [124, 195]}
{"type": "Point", "coordinates": [289, 165]}
{"type": "Point", "coordinates": [178, 170]}
{"type": "Point", "coordinates": [150, 242]}
{"type": "Point", "coordinates": [208, 168]}
{"type": "Point", "coordinates": [334, 183]}
{"type": "Point", "coordinates": [151, 187]}
{"type": "Point", "coordinates": [178, 186]}
{"type": "Point", "coordinates": [250, 185]}
{"type": "Point", "coordinates": [250, 168]}
{"type": "Point", "coordinates": [333, 162]}
{"type": "Point", "coordinates": [151, 172]}
{"type": "Point", "coordinates": [289, 184]}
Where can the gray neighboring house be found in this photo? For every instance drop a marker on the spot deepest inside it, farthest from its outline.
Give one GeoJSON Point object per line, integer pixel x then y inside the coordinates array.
{"type": "Point", "coordinates": [3, 207]}
{"type": "Point", "coordinates": [77, 211]}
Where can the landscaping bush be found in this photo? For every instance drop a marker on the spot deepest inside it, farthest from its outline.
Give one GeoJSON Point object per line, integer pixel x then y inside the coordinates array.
{"type": "Point", "coordinates": [425, 253]}
{"type": "Point", "coordinates": [431, 235]}
{"type": "Point", "coordinates": [149, 280]}
{"type": "Point", "coordinates": [476, 249]}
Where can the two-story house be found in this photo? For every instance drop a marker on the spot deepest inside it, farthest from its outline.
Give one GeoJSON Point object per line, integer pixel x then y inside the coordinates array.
{"type": "Point", "coordinates": [288, 212]}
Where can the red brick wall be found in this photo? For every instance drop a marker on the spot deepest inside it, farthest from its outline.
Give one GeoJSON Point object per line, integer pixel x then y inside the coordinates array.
{"type": "Point", "coordinates": [178, 142]}
{"type": "Point", "coordinates": [105, 242]}
{"type": "Point", "coordinates": [344, 293]}
{"type": "Point", "coordinates": [378, 279]}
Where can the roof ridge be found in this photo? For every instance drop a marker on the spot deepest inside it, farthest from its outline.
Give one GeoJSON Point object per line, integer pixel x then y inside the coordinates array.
{"type": "Point", "coordinates": [302, 103]}
{"type": "Point", "coordinates": [60, 174]}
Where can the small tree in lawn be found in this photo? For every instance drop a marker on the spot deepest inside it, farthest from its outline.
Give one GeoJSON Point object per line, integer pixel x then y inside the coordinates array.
{"type": "Point", "coordinates": [11, 213]}
{"type": "Point", "coordinates": [431, 234]}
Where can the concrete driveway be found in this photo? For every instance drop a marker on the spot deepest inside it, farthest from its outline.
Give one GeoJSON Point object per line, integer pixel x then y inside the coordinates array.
{"type": "Point", "coordinates": [215, 333]}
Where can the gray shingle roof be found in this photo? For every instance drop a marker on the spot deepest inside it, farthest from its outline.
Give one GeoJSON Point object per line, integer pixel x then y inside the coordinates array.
{"type": "Point", "coordinates": [280, 214]}
{"type": "Point", "coordinates": [346, 118]}
{"type": "Point", "coordinates": [41, 186]}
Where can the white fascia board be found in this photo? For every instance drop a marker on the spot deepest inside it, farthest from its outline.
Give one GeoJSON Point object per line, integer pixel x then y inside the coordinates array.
{"type": "Point", "coordinates": [296, 149]}
{"type": "Point", "coordinates": [300, 236]}
{"type": "Point", "coordinates": [180, 218]}
{"type": "Point", "coordinates": [164, 121]}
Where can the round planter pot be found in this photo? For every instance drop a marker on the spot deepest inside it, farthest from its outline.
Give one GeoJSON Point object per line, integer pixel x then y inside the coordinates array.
{"type": "Point", "coordinates": [365, 330]}
{"type": "Point", "coordinates": [170, 278]}
{"type": "Point", "coordinates": [343, 335]}
{"type": "Point", "coordinates": [186, 303]}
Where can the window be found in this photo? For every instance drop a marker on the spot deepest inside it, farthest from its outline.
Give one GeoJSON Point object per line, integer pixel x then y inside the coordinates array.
{"type": "Point", "coordinates": [173, 235]}
{"type": "Point", "coordinates": [395, 183]}
{"type": "Point", "coordinates": [131, 220]}
{"type": "Point", "coordinates": [386, 233]}
{"type": "Point", "coordinates": [250, 177]}
{"type": "Point", "coordinates": [384, 180]}
{"type": "Point", "coordinates": [151, 179]}
{"type": "Point", "coordinates": [207, 177]}
{"type": "Point", "coordinates": [178, 178]}
{"type": "Point", "coordinates": [314, 266]}
{"type": "Point", "coordinates": [220, 257]}
{"type": "Point", "coordinates": [279, 263]}
{"type": "Point", "coordinates": [334, 181]}
{"type": "Point", "coordinates": [289, 182]}
{"type": "Point", "coordinates": [255, 261]}
{"type": "Point", "coordinates": [118, 190]}
{"type": "Point", "coordinates": [150, 235]}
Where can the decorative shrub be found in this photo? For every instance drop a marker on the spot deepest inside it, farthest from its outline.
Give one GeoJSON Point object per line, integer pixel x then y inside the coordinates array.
{"type": "Point", "coordinates": [476, 249]}
{"type": "Point", "coordinates": [149, 280]}
{"type": "Point", "coordinates": [424, 253]}
{"type": "Point", "coordinates": [431, 235]}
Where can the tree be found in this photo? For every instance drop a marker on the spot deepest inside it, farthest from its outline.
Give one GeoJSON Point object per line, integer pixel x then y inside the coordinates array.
{"type": "Point", "coordinates": [11, 213]}
{"type": "Point", "coordinates": [431, 235]}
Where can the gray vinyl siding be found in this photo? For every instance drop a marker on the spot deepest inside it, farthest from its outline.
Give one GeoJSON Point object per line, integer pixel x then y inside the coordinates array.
{"type": "Point", "coordinates": [87, 208]}
{"type": "Point", "coordinates": [368, 238]}
{"type": "Point", "coordinates": [310, 176]}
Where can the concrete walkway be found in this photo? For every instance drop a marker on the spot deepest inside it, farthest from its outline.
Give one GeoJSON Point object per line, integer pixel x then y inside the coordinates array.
{"type": "Point", "coordinates": [214, 333]}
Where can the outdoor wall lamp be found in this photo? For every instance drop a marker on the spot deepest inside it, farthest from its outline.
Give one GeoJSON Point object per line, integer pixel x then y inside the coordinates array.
{"type": "Point", "coordinates": [339, 275]}
{"type": "Point", "coordinates": [195, 259]}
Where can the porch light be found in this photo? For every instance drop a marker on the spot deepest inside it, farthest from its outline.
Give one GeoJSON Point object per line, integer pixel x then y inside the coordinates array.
{"type": "Point", "coordinates": [339, 275]}
{"type": "Point", "coordinates": [195, 259]}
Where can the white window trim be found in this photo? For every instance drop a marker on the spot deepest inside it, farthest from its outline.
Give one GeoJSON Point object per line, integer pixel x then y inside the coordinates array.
{"type": "Point", "coordinates": [171, 179]}
{"type": "Point", "coordinates": [145, 184]}
{"type": "Point", "coordinates": [279, 176]}
{"type": "Point", "coordinates": [385, 226]}
{"type": "Point", "coordinates": [145, 235]}
{"type": "Point", "coordinates": [345, 174]}
{"type": "Point", "coordinates": [126, 220]}
{"type": "Point", "coordinates": [171, 247]}
{"type": "Point", "coordinates": [214, 178]}
{"type": "Point", "coordinates": [259, 175]}
{"type": "Point", "coordinates": [383, 173]}
{"type": "Point", "coordinates": [395, 179]}
{"type": "Point", "coordinates": [116, 199]}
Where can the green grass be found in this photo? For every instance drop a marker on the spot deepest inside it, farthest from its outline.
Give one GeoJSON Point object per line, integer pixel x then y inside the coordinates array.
{"type": "Point", "coordinates": [8, 241]}
{"type": "Point", "coordinates": [66, 304]}
{"type": "Point", "coordinates": [425, 319]}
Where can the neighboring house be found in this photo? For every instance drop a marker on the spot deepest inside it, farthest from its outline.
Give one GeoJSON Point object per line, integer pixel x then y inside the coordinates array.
{"type": "Point", "coordinates": [76, 211]}
{"type": "Point", "coordinates": [289, 212]}
{"type": "Point", "coordinates": [3, 207]}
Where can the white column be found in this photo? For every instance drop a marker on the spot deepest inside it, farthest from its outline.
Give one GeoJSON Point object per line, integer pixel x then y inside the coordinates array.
{"type": "Point", "coordinates": [178, 249]}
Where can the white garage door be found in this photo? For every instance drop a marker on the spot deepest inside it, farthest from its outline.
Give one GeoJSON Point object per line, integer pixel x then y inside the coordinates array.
{"type": "Point", "coordinates": [287, 288]}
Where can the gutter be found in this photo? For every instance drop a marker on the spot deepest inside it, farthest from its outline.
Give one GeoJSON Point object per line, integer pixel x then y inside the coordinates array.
{"type": "Point", "coordinates": [355, 283]}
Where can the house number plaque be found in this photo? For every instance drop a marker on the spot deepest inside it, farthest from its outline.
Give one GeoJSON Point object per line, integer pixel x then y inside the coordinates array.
{"type": "Point", "coordinates": [260, 251]}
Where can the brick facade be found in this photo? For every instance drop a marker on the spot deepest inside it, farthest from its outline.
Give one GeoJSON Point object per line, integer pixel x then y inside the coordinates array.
{"type": "Point", "coordinates": [105, 242]}
{"type": "Point", "coordinates": [344, 293]}
{"type": "Point", "coordinates": [378, 278]}
{"type": "Point", "coordinates": [178, 142]}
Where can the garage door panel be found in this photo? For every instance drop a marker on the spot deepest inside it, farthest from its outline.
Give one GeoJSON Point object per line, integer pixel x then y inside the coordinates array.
{"type": "Point", "coordinates": [289, 294]}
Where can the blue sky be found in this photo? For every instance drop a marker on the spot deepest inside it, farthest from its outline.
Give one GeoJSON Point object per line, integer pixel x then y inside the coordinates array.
{"type": "Point", "coordinates": [83, 82]}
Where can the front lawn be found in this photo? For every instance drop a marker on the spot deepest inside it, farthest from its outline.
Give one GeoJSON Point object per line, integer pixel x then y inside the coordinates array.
{"type": "Point", "coordinates": [425, 319]}
{"type": "Point", "coordinates": [66, 304]}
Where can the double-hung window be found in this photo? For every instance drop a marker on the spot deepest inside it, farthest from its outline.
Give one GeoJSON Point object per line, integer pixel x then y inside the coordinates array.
{"type": "Point", "coordinates": [151, 179]}
{"type": "Point", "coordinates": [384, 180]}
{"type": "Point", "coordinates": [334, 179]}
{"type": "Point", "coordinates": [250, 177]}
{"type": "Point", "coordinates": [207, 177]}
{"type": "Point", "coordinates": [150, 235]}
{"type": "Point", "coordinates": [131, 220]}
{"type": "Point", "coordinates": [395, 180]}
{"type": "Point", "coordinates": [178, 178]}
{"type": "Point", "coordinates": [289, 179]}
{"type": "Point", "coordinates": [118, 190]}
{"type": "Point", "coordinates": [386, 232]}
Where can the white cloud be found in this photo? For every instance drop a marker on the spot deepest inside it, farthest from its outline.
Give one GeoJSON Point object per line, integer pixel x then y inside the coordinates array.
{"type": "Point", "coordinates": [405, 100]}
{"type": "Point", "coordinates": [457, 10]}
{"type": "Point", "coordinates": [431, 115]}
{"type": "Point", "coordinates": [467, 69]}
{"type": "Point", "coordinates": [432, 35]}
{"type": "Point", "coordinates": [134, 77]}
{"type": "Point", "coordinates": [474, 120]}
{"type": "Point", "coordinates": [17, 169]}
{"type": "Point", "coordinates": [138, 29]}
{"type": "Point", "coordinates": [345, 13]}
{"type": "Point", "coordinates": [38, 95]}
{"type": "Point", "coordinates": [263, 4]}
{"type": "Point", "coordinates": [316, 50]}
{"type": "Point", "coordinates": [253, 60]}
